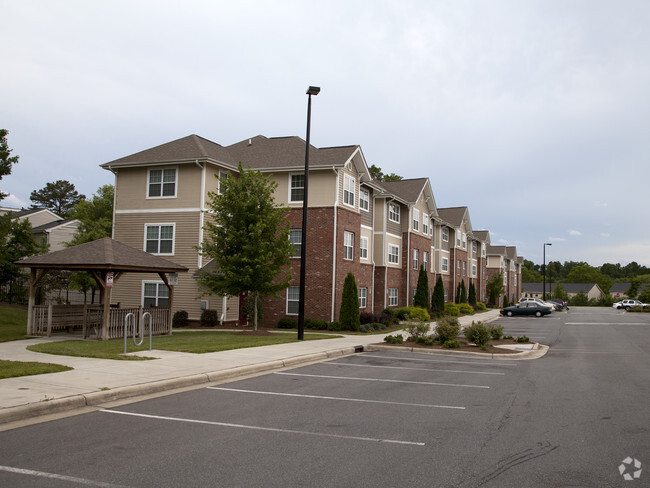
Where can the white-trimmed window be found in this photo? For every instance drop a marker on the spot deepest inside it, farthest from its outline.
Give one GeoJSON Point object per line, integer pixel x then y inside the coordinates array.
{"type": "Point", "coordinates": [425, 260]}
{"type": "Point", "coordinates": [474, 270]}
{"type": "Point", "coordinates": [363, 248]}
{"type": "Point", "coordinates": [222, 177]}
{"type": "Point", "coordinates": [348, 245]}
{"type": "Point", "coordinates": [446, 296]}
{"type": "Point", "coordinates": [393, 212]}
{"type": "Point", "coordinates": [349, 189]}
{"type": "Point", "coordinates": [155, 294]}
{"type": "Point", "coordinates": [416, 258]}
{"type": "Point", "coordinates": [416, 219]}
{"type": "Point", "coordinates": [296, 188]}
{"type": "Point", "coordinates": [159, 239]}
{"type": "Point", "coordinates": [474, 248]}
{"type": "Point", "coordinates": [425, 223]}
{"type": "Point", "coordinates": [445, 234]}
{"type": "Point", "coordinates": [162, 183]}
{"type": "Point", "coordinates": [392, 297]}
{"type": "Point", "coordinates": [464, 241]}
{"type": "Point", "coordinates": [457, 239]}
{"type": "Point", "coordinates": [363, 297]}
{"type": "Point", "coordinates": [464, 268]}
{"type": "Point", "coordinates": [295, 237]}
{"type": "Point", "coordinates": [293, 300]}
{"type": "Point", "coordinates": [445, 264]}
{"type": "Point", "coordinates": [458, 268]}
{"type": "Point", "coordinates": [393, 254]}
{"type": "Point", "coordinates": [364, 200]}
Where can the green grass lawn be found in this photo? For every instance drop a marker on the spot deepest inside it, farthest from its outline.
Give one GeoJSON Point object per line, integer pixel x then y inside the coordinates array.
{"type": "Point", "coordinates": [11, 369]}
{"type": "Point", "coordinates": [192, 342]}
{"type": "Point", "coordinates": [13, 323]}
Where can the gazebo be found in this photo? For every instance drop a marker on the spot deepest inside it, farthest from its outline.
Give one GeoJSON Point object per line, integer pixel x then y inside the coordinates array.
{"type": "Point", "coordinates": [106, 260]}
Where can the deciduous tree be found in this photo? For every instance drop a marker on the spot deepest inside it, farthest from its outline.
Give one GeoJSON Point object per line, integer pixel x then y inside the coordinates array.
{"type": "Point", "coordinates": [6, 160]}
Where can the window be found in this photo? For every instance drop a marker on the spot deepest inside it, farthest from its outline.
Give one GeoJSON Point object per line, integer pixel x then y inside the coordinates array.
{"type": "Point", "coordinates": [348, 245]}
{"type": "Point", "coordinates": [458, 268]}
{"type": "Point", "coordinates": [445, 264]}
{"type": "Point", "coordinates": [297, 188]}
{"type": "Point", "coordinates": [445, 234]}
{"type": "Point", "coordinates": [363, 297]}
{"type": "Point", "coordinates": [473, 270]}
{"type": "Point", "coordinates": [393, 212]}
{"type": "Point", "coordinates": [464, 241]}
{"type": "Point", "coordinates": [222, 176]}
{"type": "Point", "coordinates": [295, 237]}
{"type": "Point", "coordinates": [457, 239]}
{"type": "Point", "coordinates": [159, 238]}
{"type": "Point", "coordinates": [425, 223]}
{"type": "Point", "coordinates": [446, 296]}
{"type": "Point", "coordinates": [425, 260]}
{"type": "Point", "coordinates": [155, 294]}
{"type": "Point", "coordinates": [416, 258]}
{"type": "Point", "coordinates": [363, 250]}
{"type": "Point", "coordinates": [364, 200]}
{"type": "Point", "coordinates": [393, 254]}
{"type": "Point", "coordinates": [416, 219]}
{"type": "Point", "coordinates": [392, 297]}
{"type": "Point", "coordinates": [464, 268]}
{"type": "Point", "coordinates": [349, 187]}
{"type": "Point", "coordinates": [293, 300]}
{"type": "Point", "coordinates": [474, 248]}
{"type": "Point", "coordinates": [162, 183]}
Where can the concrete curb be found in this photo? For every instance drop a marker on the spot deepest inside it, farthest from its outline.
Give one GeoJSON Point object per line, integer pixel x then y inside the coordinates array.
{"type": "Point", "coordinates": [537, 352]}
{"type": "Point", "coordinates": [95, 398]}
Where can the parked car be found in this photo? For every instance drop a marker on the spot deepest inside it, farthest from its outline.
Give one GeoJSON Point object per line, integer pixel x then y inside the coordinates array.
{"type": "Point", "coordinates": [559, 304]}
{"type": "Point", "coordinates": [540, 301]}
{"type": "Point", "coordinates": [628, 304]}
{"type": "Point", "coordinates": [527, 308]}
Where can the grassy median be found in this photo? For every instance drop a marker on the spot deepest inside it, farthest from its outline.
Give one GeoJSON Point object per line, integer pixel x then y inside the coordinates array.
{"type": "Point", "coordinates": [13, 323]}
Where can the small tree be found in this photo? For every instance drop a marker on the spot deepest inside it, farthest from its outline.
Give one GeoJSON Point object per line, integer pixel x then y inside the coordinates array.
{"type": "Point", "coordinates": [421, 298]}
{"type": "Point", "coordinates": [472, 294]}
{"type": "Point", "coordinates": [633, 290]}
{"type": "Point", "coordinates": [6, 161]}
{"type": "Point", "coordinates": [580, 299]}
{"type": "Point", "coordinates": [495, 288]}
{"type": "Point", "coordinates": [247, 236]}
{"type": "Point", "coordinates": [463, 293]}
{"type": "Point", "coordinates": [438, 297]}
{"type": "Point", "coordinates": [60, 197]}
{"type": "Point", "coordinates": [559, 292]}
{"type": "Point", "coordinates": [349, 313]}
{"type": "Point", "coordinates": [95, 216]}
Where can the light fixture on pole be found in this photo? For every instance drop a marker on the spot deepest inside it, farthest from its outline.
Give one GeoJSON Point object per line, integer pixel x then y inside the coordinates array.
{"type": "Point", "coordinates": [544, 271]}
{"type": "Point", "coordinates": [312, 90]}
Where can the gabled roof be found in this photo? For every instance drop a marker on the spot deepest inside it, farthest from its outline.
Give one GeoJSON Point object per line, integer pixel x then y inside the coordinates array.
{"type": "Point", "coordinates": [511, 252]}
{"type": "Point", "coordinates": [190, 148]}
{"type": "Point", "coordinates": [454, 216]}
{"type": "Point", "coordinates": [496, 251]}
{"type": "Point", "coordinates": [572, 288]}
{"type": "Point", "coordinates": [482, 235]}
{"type": "Point", "coordinates": [410, 190]}
{"type": "Point", "coordinates": [622, 287]}
{"type": "Point", "coordinates": [102, 254]}
{"type": "Point", "coordinates": [26, 213]}
{"type": "Point", "coordinates": [52, 225]}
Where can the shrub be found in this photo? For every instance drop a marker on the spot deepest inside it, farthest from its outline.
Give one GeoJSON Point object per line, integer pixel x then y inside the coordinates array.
{"type": "Point", "coordinates": [287, 323]}
{"type": "Point", "coordinates": [509, 337]}
{"type": "Point", "coordinates": [315, 324]}
{"type": "Point", "coordinates": [466, 308]}
{"type": "Point", "coordinates": [452, 309]}
{"type": "Point", "coordinates": [420, 329]}
{"type": "Point", "coordinates": [418, 313]}
{"type": "Point", "coordinates": [523, 339]}
{"type": "Point", "coordinates": [579, 300]}
{"type": "Point", "coordinates": [480, 306]}
{"type": "Point", "coordinates": [349, 313]}
{"type": "Point", "coordinates": [394, 339]}
{"type": "Point", "coordinates": [425, 341]}
{"type": "Point", "coordinates": [451, 344]}
{"type": "Point", "coordinates": [496, 331]}
{"type": "Point", "coordinates": [336, 325]}
{"type": "Point", "coordinates": [438, 296]}
{"type": "Point", "coordinates": [402, 313]}
{"type": "Point", "coordinates": [447, 329]}
{"type": "Point", "coordinates": [180, 319]}
{"type": "Point", "coordinates": [365, 328]}
{"type": "Point", "coordinates": [209, 318]}
{"type": "Point", "coordinates": [378, 325]}
{"type": "Point", "coordinates": [477, 333]}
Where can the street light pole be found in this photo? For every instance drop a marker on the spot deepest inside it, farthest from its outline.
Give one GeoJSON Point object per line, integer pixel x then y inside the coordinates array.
{"type": "Point", "coordinates": [544, 270]}
{"type": "Point", "coordinates": [312, 90]}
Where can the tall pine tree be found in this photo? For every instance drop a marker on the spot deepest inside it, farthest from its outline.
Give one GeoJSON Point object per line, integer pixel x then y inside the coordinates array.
{"type": "Point", "coordinates": [421, 298]}
{"type": "Point", "coordinates": [349, 313]}
{"type": "Point", "coordinates": [438, 298]}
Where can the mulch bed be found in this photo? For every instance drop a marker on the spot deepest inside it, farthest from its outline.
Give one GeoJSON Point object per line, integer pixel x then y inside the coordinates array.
{"type": "Point", "coordinates": [463, 347]}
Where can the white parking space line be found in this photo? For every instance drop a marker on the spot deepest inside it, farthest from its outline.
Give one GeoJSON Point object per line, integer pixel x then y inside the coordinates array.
{"type": "Point", "coordinates": [60, 477]}
{"type": "Point", "coordinates": [380, 380]}
{"type": "Point", "coordinates": [607, 323]}
{"type": "Point", "coordinates": [319, 397]}
{"type": "Point", "coordinates": [267, 429]}
{"type": "Point", "coordinates": [415, 369]}
{"type": "Point", "coordinates": [454, 361]}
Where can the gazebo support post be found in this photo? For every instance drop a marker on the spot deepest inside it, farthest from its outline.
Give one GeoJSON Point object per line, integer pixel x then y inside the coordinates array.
{"type": "Point", "coordinates": [170, 301]}
{"type": "Point", "coordinates": [34, 279]}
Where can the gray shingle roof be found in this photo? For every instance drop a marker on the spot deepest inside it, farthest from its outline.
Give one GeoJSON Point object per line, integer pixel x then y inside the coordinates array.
{"type": "Point", "coordinates": [407, 190]}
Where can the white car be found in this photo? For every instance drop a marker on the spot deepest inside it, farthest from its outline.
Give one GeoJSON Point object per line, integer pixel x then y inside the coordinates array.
{"type": "Point", "coordinates": [628, 304]}
{"type": "Point", "coordinates": [541, 302]}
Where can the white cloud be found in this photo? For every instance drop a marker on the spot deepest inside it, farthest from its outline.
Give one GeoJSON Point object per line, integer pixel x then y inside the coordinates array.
{"type": "Point", "coordinates": [557, 239]}
{"type": "Point", "coordinates": [604, 234]}
{"type": "Point", "coordinates": [13, 201]}
{"type": "Point", "coordinates": [575, 233]}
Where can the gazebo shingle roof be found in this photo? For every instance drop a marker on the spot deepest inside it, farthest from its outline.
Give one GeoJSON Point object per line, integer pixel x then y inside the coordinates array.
{"type": "Point", "coordinates": [102, 254]}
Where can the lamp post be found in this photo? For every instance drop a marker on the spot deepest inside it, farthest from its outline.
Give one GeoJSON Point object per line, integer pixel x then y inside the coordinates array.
{"type": "Point", "coordinates": [312, 90]}
{"type": "Point", "coordinates": [544, 270]}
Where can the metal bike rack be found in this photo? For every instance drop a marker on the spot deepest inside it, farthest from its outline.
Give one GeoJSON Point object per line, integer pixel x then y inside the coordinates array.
{"type": "Point", "coordinates": [131, 315]}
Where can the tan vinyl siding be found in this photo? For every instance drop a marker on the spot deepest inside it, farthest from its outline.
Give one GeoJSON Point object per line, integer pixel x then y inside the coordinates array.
{"type": "Point", "coordinates": [321, 190]}
{"type": "Point", "coordinates": [366, 217]}
{"type": "Point", "coordinates": [40, 218]}
{"type": "Point", "coordinates": [61, 235]}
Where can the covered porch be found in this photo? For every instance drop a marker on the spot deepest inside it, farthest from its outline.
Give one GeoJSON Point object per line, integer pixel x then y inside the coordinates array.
{"type": "Point", "coordinates": [106, 260]}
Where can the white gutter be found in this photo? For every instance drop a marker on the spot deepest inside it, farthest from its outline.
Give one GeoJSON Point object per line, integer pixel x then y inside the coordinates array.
{"type": "Point", "coordinates": [372, 281]}
{"type": "Point", "coordinates": [199, 263]}
{"type": "Point", "coordinates": [408, 259]}
{"type": "Point", "coordinates": [335, 234]}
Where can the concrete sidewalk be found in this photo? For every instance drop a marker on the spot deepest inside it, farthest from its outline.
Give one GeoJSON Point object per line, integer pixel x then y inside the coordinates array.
{"type": "Point", "coordinates": [94, 382]}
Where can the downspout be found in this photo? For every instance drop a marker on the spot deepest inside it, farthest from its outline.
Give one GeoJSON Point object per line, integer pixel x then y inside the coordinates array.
{"type": "Point", "coordinates": [114, 201]}
{"type": "Point", "coordinates": [335, 234]}
{"type": "Point", "coordinates": [408, 260]}
{"type": "Point", "coordinates": [454, 271]}
{"type": "Point", "coordinates": [372, 242]}
{"type": "Point", "coordinates": [203, 168]}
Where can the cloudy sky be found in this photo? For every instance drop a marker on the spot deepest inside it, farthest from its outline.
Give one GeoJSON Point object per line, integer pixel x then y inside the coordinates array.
{"type": "Point", "coordinates": [534, 114]}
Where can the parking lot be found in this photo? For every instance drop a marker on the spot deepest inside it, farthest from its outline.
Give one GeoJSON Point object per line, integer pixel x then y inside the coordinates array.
{"type": "Point", "coordinates": [385, 418]}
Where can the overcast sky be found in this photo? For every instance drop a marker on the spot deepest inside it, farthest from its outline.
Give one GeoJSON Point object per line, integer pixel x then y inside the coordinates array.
{"type": "Point", "coordinates": [533, 114]}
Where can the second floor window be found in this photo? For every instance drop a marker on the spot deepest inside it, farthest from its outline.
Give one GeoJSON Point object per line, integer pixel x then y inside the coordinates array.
{"type": "Point", "coordinates": [425, 260]}
{"type": "Point", "coordinates": [416, 258]}
{"type": "Point", "coordinates": [297, 188]}
{"type": "Point", "coordinates": [416, 219]}
{"type": "Point", "coordinates": [458, 268]}
{"type": "Point", "coordinates": [464, 268]}
{"type": "Point", "coordinates": [159, 239]}
{"type": "Point", "coordinates": [393, 254]}
{"type": "Point", "coordinates": [445, 234]}
{"type": "Point", "coordinates": [349, 187]}
{"type": "Point", "coordinates": [393, 212]}
{"type": "Point", "coordinates": [364, 200]}
{"type": "Point", "coordinates": [445, 264]}
{"type": "Point", "coordinates": [162, 183]}
{"type": "Point", "coordinates": [222, 177]}
{"type": "Point", "coordinates": [295, 237]}
{"type": "Point", "coordinates": [363, 249]}
{"type": "Point", "coordinates": [473, 270]}
{"type": "Point", "coordinates": [348, 245]}
{"type": "Point", "coordinates": [425, 224]}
